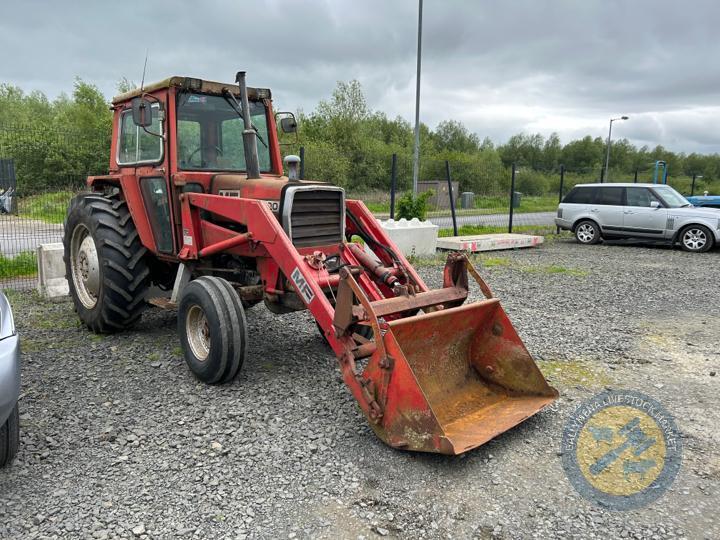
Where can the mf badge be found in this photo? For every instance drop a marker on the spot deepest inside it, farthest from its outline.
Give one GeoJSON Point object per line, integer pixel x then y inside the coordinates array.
{"type": "Point", "coordinates": [621, 449]}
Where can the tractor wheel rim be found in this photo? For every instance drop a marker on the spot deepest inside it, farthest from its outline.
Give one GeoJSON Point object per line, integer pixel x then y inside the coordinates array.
{"type": "Point", "coordinates": [586, 233]}
{"type": "Point", "coordinates": [85, 266]}
{"type": "Point", "coordinates": [198, 332]}
{"type": "Point", "coordinates": [695, 239]}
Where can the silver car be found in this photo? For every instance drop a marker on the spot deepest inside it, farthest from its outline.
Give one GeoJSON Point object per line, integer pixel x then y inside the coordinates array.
{"type": "Point", "coordinates": [647, 211]}
{"type": "Point", "coordinates": [9, 384]}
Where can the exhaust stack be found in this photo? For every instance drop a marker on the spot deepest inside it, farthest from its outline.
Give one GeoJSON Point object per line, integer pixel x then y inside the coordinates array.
{"type": "Point", "coordinates": [252, 162]}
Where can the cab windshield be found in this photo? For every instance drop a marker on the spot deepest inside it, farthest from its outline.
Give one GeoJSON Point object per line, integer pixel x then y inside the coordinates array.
{"type": "Point", "coordinates": [671, 197]}
{"type": "Point", "coordinates": [209, 134]}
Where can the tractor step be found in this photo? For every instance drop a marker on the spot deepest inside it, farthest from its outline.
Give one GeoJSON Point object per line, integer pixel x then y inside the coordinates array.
{"type": "Point", "coordinates": [162, 302]}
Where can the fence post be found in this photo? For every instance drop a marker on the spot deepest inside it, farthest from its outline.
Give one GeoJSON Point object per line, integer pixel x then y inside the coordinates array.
{"type": "Point", "coordinates": [636, 173]}
{"type": "Point", "coordinates": [692, 188]}
{"type": "Point", "coordinates": [302, 163]}
{"type": "Point", "coordinates": [560, 195]}
{"type": "Point", "coordinates": [602, 175]}
{"type": "Point", "coordinates": [512, 198]}
{"type": "Point", "coordinates": [452, 197]}
{"type": "Point", "coordinates": [393, 185]}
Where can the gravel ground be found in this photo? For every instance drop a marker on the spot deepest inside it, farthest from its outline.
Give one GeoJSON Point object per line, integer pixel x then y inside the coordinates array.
{"type": "Point", "coordinates": [119, 441]}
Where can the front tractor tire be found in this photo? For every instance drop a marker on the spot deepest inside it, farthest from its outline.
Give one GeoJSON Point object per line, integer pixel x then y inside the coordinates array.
{"type": "Point", "coordinates": [213, 329]}
{"type": "Point", "coordinates": [105, 263]}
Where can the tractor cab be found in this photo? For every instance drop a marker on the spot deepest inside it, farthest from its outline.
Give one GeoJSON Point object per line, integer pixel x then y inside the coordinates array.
{"type": "Point", "coordinates": [185, 135]}
{"type": "Point", "coordinates": [194, 126]}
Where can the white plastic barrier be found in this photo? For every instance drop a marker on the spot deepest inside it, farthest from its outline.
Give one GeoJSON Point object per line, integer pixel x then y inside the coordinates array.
{"type": "Point", "coordinates": [413, 237]}
{"type": "Point", "coordinates": [51, 271]}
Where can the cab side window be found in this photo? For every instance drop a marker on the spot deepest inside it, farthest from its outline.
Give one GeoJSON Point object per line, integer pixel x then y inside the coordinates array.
{"type": "Point", "coordinates": [639, 196]}
{"type": "Point", "coordinates": [135, 144]}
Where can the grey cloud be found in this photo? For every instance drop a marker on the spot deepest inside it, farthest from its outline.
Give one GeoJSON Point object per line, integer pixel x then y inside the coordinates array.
{"type": "Point", "coordinates": [500, 67]}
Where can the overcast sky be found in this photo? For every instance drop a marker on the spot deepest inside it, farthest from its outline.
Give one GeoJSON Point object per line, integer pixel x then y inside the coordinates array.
{"type": "Point", "coordinates": [500, 67]}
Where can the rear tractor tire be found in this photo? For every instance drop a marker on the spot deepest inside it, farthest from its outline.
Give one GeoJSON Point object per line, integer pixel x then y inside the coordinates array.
{"type": "Point", "coordinates": [213, 329]}
{"type": "Point", "coordinates": [105, 263]}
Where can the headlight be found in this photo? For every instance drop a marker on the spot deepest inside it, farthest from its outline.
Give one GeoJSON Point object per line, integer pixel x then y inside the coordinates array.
{"type": "Point", "coordinates": [7, 324]}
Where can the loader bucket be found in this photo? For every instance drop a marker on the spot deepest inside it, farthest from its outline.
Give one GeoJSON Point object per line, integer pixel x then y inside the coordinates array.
{"type": "Point", "coordinates": [460, 377]}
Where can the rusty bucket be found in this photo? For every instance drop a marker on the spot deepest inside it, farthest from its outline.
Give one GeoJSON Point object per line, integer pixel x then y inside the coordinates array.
{"type": "Point", "coordinates": [460, 376]}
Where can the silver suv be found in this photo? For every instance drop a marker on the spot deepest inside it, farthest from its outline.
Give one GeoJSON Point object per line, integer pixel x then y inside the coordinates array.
{"type": "Point", "coordinates": [648, 211]}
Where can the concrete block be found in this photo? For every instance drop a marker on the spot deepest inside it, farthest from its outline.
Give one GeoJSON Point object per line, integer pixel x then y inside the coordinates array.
{"type": "Point", "coordinates": [51, 271]}
{"type": "Point", "coordinates": [412, 237]}
{"type": "Point", "coordinates": [489, 242]}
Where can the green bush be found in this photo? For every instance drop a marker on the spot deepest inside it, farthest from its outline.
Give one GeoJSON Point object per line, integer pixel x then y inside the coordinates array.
{"type": "Point", "coordinates": [409, 206]}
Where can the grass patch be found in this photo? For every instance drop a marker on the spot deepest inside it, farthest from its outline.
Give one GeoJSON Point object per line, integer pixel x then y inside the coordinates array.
{"type": "Point", "coordinates": [56, 321]}
{"type": "Point", "coordinates": [483, 206]}
{"type": "Point", "coordinates": [479, 260]}
{"type": "Point", "coordinates": [22, 265]}
{"type": "Point", "coordinates": [471, 230]}
{"type": "Point", "coordinates": [378, 207]}
{"type": "Point", "coordinates": [501, 204]}
{"type": "Point", "coordinates": [47, 207]}
{"type": "Point", "coordinates": [573, 373]}
{"type": "Point", "coordinates": [490, 262]}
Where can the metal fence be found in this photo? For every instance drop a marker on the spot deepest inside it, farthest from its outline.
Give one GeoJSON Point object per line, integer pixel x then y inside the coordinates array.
{"type": "Point", "coordinates": [468, 198]}
{"type": "Point", "coordinates": [40, 171]}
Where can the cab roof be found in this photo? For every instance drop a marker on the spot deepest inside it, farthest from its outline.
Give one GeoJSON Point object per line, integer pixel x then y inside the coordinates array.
{"type": "Point", "coordinates": [195, 85]}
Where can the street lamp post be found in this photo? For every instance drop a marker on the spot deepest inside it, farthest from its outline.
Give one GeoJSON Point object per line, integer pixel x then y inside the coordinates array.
{"type": "Point", "coordinates": [416, 150]}
{"type": "Point", "coordinates": [607, 156]}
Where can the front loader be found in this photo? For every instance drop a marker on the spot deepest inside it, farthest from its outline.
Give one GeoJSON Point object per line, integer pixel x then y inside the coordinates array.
{"type": "Point", "coordinates": [197, 204]}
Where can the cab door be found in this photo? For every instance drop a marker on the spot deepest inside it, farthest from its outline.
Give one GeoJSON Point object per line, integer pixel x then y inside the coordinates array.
{"type": "Point", "coordinates": [142, 154]}
{"type": "Point", "coordinates": [644, 213]}
{"type": "Point", "coordinates": [607, 207]}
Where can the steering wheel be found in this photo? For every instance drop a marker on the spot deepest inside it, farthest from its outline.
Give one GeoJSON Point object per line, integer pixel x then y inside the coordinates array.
{"type": "Point", "coordinates": [194, 153]}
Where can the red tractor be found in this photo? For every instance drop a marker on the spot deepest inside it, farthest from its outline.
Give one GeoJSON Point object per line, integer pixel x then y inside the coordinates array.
{"type": "Point", "coordinates": [197, 203]}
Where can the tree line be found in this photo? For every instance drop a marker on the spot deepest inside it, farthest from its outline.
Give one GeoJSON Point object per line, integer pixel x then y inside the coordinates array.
{"type": "Point", "coordinates": [56, 143]}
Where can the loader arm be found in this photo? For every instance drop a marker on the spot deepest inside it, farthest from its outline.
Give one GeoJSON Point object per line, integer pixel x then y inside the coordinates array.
{"type": "Point", "coordinates": [438, 376]}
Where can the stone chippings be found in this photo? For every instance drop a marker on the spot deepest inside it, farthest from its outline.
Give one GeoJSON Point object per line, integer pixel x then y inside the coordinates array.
{"type": "Point", "coordinates": [119, 441]}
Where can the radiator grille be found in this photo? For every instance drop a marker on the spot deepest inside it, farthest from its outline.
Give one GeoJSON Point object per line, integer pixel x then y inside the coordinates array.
{"type": "Point", "coordinates": [316, 217]}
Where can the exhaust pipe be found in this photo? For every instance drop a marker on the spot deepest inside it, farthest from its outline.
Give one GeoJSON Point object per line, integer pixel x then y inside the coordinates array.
{"type": "Point", "coordinates": [252, 162]}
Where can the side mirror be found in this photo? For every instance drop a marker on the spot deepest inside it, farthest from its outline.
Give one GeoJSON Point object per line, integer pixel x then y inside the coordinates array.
{"type": "Point", "coordinates": [288, 124]}
{"type": "Point", "coordinates": [142, 112]}
{"type": "Point", "coordinates": [655, 205]}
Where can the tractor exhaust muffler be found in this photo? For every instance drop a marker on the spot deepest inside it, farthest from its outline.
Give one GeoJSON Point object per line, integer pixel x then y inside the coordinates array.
{"type": "Point", "coordinates": [252, 162]}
